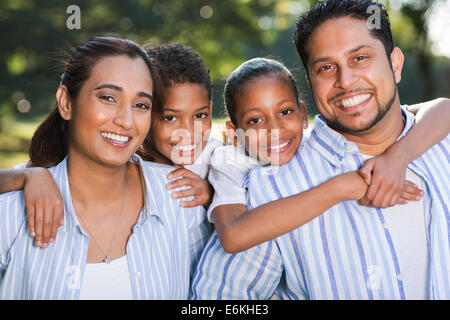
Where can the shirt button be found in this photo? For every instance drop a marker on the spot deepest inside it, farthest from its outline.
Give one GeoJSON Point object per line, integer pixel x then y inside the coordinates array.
{"type": "Point", "coordinates": [137, 274]}
{"type": "Point", "coordinates": [336, 159]}
{"type": "Point", "coordinates": [400, 277]}
{"type": "Point", "coordinates": [385, 225]}
{"type": "Point", "coordinates": [348, 148]}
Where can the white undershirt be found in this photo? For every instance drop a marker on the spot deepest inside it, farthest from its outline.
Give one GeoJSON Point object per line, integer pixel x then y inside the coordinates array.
{"type": "Point", "coordinates": [103, 281]}
{"type": "Point", "coordinates": [406, 225]}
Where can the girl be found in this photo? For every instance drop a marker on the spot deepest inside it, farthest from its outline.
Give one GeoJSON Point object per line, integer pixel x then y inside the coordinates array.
{"type": "Point", "coordinates": [265, 111]}
{"type": "Point", "coordinates": [119, 219]}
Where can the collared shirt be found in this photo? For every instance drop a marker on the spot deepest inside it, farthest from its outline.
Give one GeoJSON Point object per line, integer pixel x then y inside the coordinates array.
{"type": "Point", "coordinates": [345, 253]}
{"type": "Point", "coordinates": [162, 250]}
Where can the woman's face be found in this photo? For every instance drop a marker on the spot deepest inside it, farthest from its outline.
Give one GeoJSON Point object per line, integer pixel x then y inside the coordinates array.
{"type": "Point", "coordinates": [271, 120]}
{"type": "Point", "coordinates": [180, 130]}
{"type": "Point", "coordinates": [112, 115]}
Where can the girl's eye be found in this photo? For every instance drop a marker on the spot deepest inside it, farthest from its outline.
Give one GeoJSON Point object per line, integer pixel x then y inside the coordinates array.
{"type": "Point", "coordinates": [142, 106]}
{"type": "Point", "coordinates": [169, 118]}
{"type": "Point", "coordinates": [286, 112]}
{"type": "Point", "coordinates": [361, 58]}
{"type": "Point", "coordinates": [108, 98]}
{"type": "Point", "coordinates": [254, 121]}
{"type": "Point", "coordinates": [201, 115]}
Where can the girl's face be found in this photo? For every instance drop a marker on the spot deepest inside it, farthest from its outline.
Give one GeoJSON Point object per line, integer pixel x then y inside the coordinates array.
{"type": "Point", "coordinates": [112, 114]}
{"type": "Point", "coordinates": [181, 129]}
{"type": "Point", "coordinates": [271, 120]}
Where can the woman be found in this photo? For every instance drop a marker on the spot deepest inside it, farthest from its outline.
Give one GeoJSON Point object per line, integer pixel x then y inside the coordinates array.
{"type": "Point", "coordinates": [123, 237]}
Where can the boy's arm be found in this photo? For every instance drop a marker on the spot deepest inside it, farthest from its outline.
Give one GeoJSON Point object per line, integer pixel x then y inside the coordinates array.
{"type": "Point", "coordinates": [239, 229]}
{"type": "Point", "coordinates": [43, 200]}
{"type": "Point", "coordinates": [386, 173]}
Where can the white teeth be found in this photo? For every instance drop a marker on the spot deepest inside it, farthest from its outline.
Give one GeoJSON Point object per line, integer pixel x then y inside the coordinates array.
{"type": "Point", "coordinates": [353, 101]}
{"type": "Point", "coordinates": [186, 148]}
{"type": "Point", "coordinates": [115, 137]}
{"type": "Point", "coordinates": [279, 146]}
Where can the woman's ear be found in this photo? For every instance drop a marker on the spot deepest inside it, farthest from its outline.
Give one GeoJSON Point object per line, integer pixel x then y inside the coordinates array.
{"type": "Point", "coordinates": [64, 104]}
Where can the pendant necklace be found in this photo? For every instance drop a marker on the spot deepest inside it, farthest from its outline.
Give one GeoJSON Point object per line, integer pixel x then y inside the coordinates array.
{"type": "Point", "coordinates": [107, 255]}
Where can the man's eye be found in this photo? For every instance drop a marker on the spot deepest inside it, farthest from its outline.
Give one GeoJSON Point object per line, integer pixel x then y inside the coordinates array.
{"type": "Point", "coordinates": [108, 98]}
{"type": "Point", "coordinates": [325, 68]}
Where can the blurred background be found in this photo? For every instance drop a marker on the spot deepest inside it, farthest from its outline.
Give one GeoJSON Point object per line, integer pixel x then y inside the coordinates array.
{"type": "Point", "coordinates": [225, 33]}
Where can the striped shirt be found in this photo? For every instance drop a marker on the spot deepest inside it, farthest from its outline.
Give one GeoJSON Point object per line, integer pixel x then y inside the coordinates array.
{"type": "Point", "coordinates": [162, 250]}
{"type": "Point", "coordinates": [345, 253]}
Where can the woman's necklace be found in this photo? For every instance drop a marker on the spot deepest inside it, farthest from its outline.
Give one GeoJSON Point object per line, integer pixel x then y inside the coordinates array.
{"type": "Point", "coordinates": [107, 256]}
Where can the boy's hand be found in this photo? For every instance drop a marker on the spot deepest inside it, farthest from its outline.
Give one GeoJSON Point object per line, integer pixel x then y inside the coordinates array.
{"type": "Point", "coordinates": [200, 188]}
{"type": "Point", "coordinates": [45, 206]}
{"type": "Point", "coordinates": [387, 184]}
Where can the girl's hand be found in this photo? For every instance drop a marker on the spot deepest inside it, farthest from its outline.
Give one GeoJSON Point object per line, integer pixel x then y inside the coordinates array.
{"type": "Point", "coordinates": [385, 175]}
{"type": "Point", "coordinates": [351, 185]}
{"type": "Point", "coordinates": [44, 203]}
{"type": "Point", "coordinates": [201, 189]}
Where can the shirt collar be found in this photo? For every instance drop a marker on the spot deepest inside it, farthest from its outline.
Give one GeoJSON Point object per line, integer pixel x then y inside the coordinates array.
{"type": "Point", "coordinates": [150, 208]}
{"type": "Point", "coordinates": [334, 146]}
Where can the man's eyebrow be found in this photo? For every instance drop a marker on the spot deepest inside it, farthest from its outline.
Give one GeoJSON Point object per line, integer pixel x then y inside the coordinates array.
{"type": "Point", "coordinates": [114, 87]}
{"type": "Point", "coordinates": [322, 59]}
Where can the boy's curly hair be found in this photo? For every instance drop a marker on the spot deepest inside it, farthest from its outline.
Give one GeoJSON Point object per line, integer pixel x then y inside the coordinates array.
{"type": "Point", "coordinates": [180, 64]}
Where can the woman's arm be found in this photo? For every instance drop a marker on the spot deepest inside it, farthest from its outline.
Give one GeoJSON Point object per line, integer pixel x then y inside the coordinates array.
{"type": "Point", "coordinates": [385, 174]}
{"type": "Point", "coordinates": [239, 229]}
{"type": "Point", "coordinates": [43, 200]}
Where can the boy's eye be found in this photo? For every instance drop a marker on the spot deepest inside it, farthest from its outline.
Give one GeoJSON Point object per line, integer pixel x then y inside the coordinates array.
{"type": "Point", "coordinates": [108, 98]}
{"type": "Point", "coordinates": [201, 115]}
{"type": "Point", "coordinates": [254, 121]}
{"type": "Point", "coordinates": [169, 118]}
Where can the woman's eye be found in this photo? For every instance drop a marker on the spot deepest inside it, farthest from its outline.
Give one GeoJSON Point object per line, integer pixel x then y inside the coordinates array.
{"type": "Point", "coordinates": [142, 106]}
{"type": "Point", "coordinates": [361, 58]}
{"type": "Point", "coordinates": [108, 98]}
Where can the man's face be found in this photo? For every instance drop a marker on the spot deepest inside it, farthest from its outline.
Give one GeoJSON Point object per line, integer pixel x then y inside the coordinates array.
{"type": "Point", "coordinates": [352, 81]}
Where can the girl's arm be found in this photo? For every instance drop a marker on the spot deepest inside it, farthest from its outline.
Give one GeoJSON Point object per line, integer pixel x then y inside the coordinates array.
{"type": "Point", "coordinates": [43, 200]}
{"type": "Point", "coordinates": [239, 229]}
{"type": "Point", "coordinates": [385, 174]}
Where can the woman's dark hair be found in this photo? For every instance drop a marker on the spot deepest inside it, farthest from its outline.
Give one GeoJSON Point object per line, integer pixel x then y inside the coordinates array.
{"type": "Point", "coordinates": [331, 9]}
{"type": "Point", "coordinates": [249, 71]}
{"type": "Point", "coordinates": [180, 64]}
{"type": "Point", "coordinates": [49, 144]}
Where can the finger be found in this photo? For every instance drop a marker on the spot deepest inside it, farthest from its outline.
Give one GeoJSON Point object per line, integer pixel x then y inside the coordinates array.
{"type": "Point", "coordinates": [47, 227]}
{"type": "Point", "coordinates": [409, 187]}
{"type": "Point", "coordinates": [402, 200]}
{"type": "Point", "coordinates": [190, 204]}
{"type": "Point", "coordinates": [383, 197]}
{"type": "Point", "coordinates": [180, 183]}
{"type": "Point", "coordinates": [373, 188]}
{"type": "Point", "coordinates": [184, 193]}
{"type": "Point", "coordinates": [31, 217]}
{"type": "Point", "coordinates": [366, 171]}
{"type": "Point", "coordinates": [38, 222]}
{"type": "Point", "coordinates": [410, 196]}
{"type": "Point", "coordinates": [181, 172]}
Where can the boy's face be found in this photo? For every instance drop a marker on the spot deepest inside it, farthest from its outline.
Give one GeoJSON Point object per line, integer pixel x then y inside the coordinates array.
{"type": "Point", "coordinates": [353, 83]}
{"type": "Point", "coordinates": [181, 129]}
{"type": "Point", "coordinates": [268, 115]}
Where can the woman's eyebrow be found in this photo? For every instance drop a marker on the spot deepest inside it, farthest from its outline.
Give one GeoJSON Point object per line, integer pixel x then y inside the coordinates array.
{"type": "Point", "coordinates": [115, 87]}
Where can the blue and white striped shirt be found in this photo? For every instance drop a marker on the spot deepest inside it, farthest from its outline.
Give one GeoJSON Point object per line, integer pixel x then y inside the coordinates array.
{"type": "Point", "coordinates": [162, 251]}
{"type": "Point", "coordinates": [345, 253]}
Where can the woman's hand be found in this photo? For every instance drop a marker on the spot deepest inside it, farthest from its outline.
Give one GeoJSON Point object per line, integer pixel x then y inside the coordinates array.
{"type": "Point", "coordinates": [385, 176]}
{"type": "Point", "coordinates": [45, 206]}
{"type": "Point", "coordinates": [350, 185]}
{"type": "Point", "coordinates": [200, 188]}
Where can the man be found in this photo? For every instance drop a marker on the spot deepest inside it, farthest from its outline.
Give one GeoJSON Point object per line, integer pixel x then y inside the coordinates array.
{"type": "Point", "coordinates": [350, 251]}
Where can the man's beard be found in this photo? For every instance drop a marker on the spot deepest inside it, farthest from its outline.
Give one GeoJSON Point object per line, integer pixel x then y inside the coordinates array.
{"type": "Point", "coordinates": [382, 110]}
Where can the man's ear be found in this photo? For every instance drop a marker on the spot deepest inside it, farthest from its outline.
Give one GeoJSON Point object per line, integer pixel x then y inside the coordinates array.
{"type": "Point", "coordinates": [64, 103]}
{"type": "Point", "coordinates": [397, 60]}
